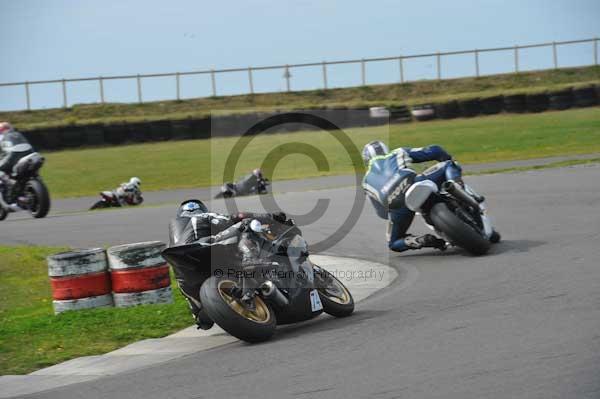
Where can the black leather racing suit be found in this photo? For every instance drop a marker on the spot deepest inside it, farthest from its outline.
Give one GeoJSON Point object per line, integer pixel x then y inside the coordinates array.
{"type": "Point", "coordinates": [13, 147]}
{"type": "Point", "coordinates": [190, 227]}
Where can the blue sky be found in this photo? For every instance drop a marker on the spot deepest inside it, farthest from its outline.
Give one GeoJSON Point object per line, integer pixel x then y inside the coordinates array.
{"type": "Point", "coordinates": [43, 39]}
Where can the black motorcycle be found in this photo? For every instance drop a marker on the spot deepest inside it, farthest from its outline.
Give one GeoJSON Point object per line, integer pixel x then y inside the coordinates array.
{"type": "Point", "coordinates": [455, 212]}
{"type": "Point", "coordinates": [283, 287]}
{"type": "Point", "coordinates": [246, 186]}
{"type": "Point", "coordinates": [26, 189]}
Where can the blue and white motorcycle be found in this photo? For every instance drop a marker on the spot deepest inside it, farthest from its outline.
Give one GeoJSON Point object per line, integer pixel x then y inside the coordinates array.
{"type": "Point", "coordinates": [456, 213]}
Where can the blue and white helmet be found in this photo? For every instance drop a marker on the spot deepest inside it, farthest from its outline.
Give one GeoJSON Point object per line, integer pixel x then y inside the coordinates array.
{"type": "Point", "coordinates": [374, 149]}
{"type": "Point", "coordinates": [192, 206]}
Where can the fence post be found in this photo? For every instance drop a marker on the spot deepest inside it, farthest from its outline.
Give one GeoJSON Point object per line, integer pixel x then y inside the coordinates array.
{"type": "Point", "coordinates": [477, 63]}
{"type": "Point", "coordinates": [250, 82]}
{"type": "Point", "coordinates": [213, 81]}
{"type": "Point", "coordinates": [64, 92]}
{"type": "Point", "coordinates": [363, 74]}
{"type": "Point", "coordinates": [27, 96]}
{"type": "Point", "coordinates": [287, 75]}
{"type": "Point", "coordinates": [101, 84]}
{"type": "Point", "coordinates": [139, 88]}
{"type": "Point", "coordinates": [516, 58]}
{"type": "Point", "coordinates": [439, 66]}
{"type": "Point", "coordinates": [177, 85]}
{"type": "Point", "coordinates": [595, 43]}
{"type": "Point", "coordinates": [401, 65]}
{"type": "Point", "coordinates": [554, 55]}
{"type": "Point", "coordinates": [324, 75]}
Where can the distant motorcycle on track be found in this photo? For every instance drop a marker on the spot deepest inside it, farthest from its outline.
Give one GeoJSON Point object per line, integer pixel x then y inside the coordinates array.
{"type": "Point", "coordinates": [126, 194]}
{"type": "Point", "coordinates": [251, 184]}
{"type": "Point", "coordinates": [26, 189]}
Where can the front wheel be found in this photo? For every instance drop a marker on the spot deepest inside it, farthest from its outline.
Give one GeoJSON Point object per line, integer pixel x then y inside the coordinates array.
{"type": "Point", "coordinates": [253, 322]}
{"type": "Point", "coordinates": [99, 205]}
{"type": "Point", "coordinates": [459, 232]}
{"type": "Point", "coordinates": [3, 213]}
{"type": "Point", "coordinates": [38, 198]}
{"type": "Point", "coordinates": [335, 297]}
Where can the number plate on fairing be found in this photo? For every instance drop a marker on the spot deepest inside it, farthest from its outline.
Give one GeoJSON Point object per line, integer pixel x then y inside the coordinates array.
{"type": "Point", "coordinates": [315, 301]}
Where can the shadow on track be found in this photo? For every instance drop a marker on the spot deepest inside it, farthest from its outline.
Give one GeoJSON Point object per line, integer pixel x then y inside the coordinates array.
{"type": "Point", "coordinates": [326, 323]}
{"type": "Point", "coordinates": [505, 246]}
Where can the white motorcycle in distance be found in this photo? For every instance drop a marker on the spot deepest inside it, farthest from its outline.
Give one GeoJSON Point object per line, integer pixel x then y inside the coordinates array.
{"type": "Point", "coordinates": [126, 194]}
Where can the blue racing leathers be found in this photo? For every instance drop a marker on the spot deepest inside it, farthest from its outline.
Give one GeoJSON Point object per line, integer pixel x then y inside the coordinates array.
{"type": "Point", "coordinates": [389, 176]}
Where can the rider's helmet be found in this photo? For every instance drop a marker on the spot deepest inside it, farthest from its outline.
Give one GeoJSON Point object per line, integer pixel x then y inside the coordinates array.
{"type": "Point", "coordinates": [258, 173]}
{"type": "Point", "coordinates": [374, 149]}
{"type": "Point", "coordinates": [191, 207]}
{"type": "Point", "coordinates": [135, 181]}
{"type": "Point", "coordinates": [5, 127]}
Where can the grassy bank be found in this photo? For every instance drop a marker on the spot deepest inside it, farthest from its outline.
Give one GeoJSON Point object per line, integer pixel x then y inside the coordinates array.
{"type": "Point", "coordinates": [32, 337]}
{"type": "Point", "coordinates": [199, 163]}
{"type": "Point", "coordinates": [393, 94]}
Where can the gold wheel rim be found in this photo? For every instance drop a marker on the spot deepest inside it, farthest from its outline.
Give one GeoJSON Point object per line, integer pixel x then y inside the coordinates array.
{"type": "Point", "coordinates": [341, 294]}
{"type": "Point", "coordinates": [260, 314]}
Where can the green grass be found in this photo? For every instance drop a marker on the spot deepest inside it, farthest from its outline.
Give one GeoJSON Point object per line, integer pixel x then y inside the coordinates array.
{"type": "Point", "coordinates": [425, 91]}
{"type": "Point", "coordinates": [32, 337]}
{"type": "Point", "coordinates": [200, 163]}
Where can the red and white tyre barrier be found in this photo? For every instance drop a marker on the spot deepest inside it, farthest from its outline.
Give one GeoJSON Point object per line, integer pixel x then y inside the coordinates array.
{"type": "Point", "coordinates": [79, 280]}
{"type": "Point", "coordinates": [139, 274]}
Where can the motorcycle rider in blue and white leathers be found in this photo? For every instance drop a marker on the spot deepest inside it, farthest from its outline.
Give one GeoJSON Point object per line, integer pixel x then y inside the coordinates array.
{"type": "Point", "coordinates": [388, 177]}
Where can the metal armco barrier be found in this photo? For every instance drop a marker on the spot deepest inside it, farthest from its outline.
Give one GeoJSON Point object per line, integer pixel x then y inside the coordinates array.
{"type": "Point", "coordinates": [79, 280]}
{"type": "Point", "coordinates": [139, 274]}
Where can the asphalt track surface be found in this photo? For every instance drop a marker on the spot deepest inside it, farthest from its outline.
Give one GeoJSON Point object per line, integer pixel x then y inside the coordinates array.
{"type": "Point", "coordinates": [520, 322]}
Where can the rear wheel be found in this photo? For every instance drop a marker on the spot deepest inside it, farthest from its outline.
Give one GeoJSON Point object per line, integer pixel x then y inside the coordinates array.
{"type": "Point", "coordinates": [335, 297]}
{"type": "Point", "coordinates": [253, 323]}
{"type": "Point", "coordinates": [38, 198]}
{"type": "Point", "coordinates": [458, 231]}
{"type": "Point", "coordinates": [3, 213]}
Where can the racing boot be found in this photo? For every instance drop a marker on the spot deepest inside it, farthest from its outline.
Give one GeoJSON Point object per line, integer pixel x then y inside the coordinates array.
{"type": "Point", "coordinates": [425, 241]}
{"type": "Point", "coordinates": [203, 321]}
{"type": "Point", "coordinates": [4, 188]}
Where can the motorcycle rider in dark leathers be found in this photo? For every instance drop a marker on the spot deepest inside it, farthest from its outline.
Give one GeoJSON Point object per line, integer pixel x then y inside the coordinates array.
{"type": "Point", "coordinates": [390, 171]}
{"type": "Point", "coordinates": [13, 147]}
{"type": "Point", "coordinates": [195, 223]}
{"type": "Point", "coordinates": [248, 182]}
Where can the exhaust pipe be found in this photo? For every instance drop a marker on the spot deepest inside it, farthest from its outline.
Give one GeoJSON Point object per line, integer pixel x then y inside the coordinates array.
{"type": "Point", "coordinates": [271, 292]}
{"type": "Point", "coordinates": [457, 192]}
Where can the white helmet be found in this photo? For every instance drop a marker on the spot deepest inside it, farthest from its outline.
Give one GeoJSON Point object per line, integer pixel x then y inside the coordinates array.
{"type": "Point", "coordinates": [135, 181]}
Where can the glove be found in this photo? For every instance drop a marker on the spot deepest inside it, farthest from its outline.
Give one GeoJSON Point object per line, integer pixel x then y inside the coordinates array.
{"type": "Point", "coordinates": [280, 217]}
{"type": "Point", "coordinates": [245, 224]}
